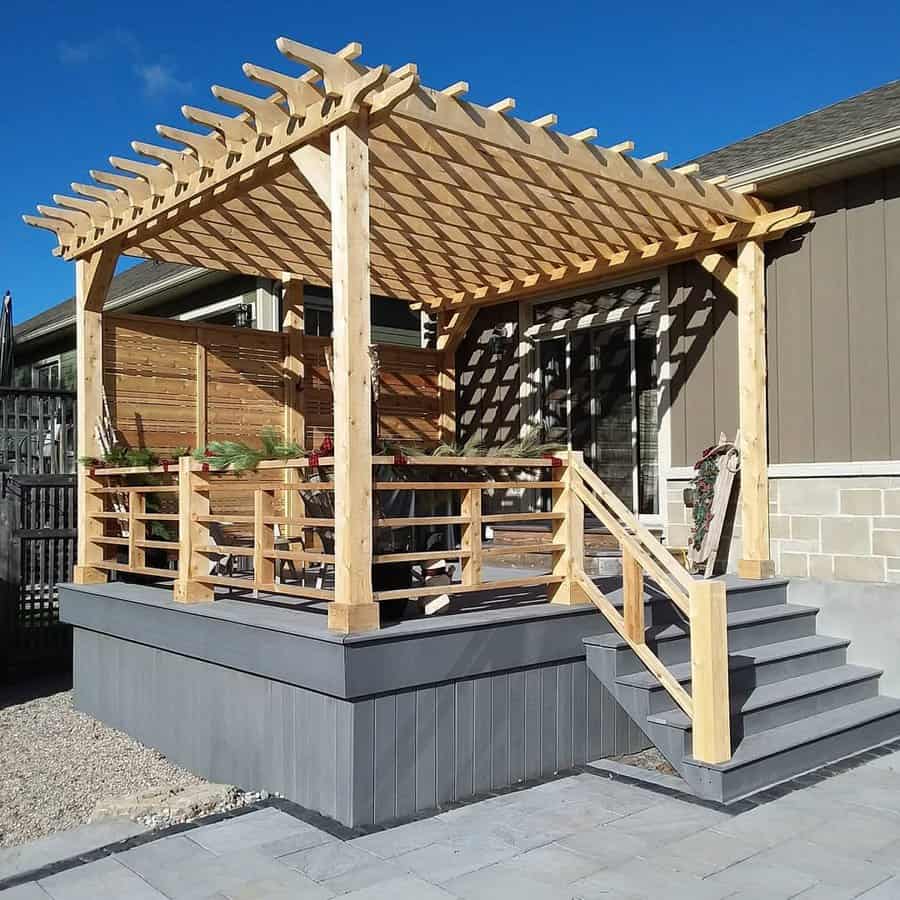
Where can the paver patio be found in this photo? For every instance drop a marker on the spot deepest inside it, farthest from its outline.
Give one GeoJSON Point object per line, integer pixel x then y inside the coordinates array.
{"type": "Point", "coordinates": [585, 836]}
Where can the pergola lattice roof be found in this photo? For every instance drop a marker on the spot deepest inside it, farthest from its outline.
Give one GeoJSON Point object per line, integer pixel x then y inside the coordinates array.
{"type": "Point", "coordinates": [468, 204]}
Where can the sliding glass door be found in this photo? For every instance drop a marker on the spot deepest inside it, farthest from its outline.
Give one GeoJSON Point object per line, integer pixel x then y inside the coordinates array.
{"type": "Point", "coordinates": [599, 394]}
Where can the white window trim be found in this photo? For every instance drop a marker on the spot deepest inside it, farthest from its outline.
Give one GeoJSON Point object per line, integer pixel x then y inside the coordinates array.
{"type": "Point", "coordinates": [47, 361]}
{"type": "Point", "coordinates": [217, 309]}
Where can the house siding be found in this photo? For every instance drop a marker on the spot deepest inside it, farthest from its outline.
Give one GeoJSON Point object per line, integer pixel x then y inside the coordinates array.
{"type": "Point", "coordinates": [487, 394]}
{"type": "Point", "coordinates": [703, 361]}
{"type": "Point", "coordinates": [833, 298]}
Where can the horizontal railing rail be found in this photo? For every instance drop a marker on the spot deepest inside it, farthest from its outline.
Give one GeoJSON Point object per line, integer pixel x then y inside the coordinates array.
{"type": "Point", "coordinates": [702, 603]}
{"type": "Point", "coordinates": [268, 522]}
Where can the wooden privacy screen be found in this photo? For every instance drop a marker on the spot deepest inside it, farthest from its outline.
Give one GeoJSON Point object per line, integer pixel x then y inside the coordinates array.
{"type": "Point", "coordinates": [167, 382]}
{"type": "Point", "coordinates": [408, 403]}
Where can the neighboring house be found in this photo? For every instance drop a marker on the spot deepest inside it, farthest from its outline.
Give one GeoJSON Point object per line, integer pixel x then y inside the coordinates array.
{"type": "Point", "coordinates": [45, 343]}
{"type": "Point", "coordinates": [650, 379]}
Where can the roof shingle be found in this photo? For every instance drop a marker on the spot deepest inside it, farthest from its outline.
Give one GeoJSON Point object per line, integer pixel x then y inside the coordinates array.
{"type": "Point", "coordinates": [866, 113]}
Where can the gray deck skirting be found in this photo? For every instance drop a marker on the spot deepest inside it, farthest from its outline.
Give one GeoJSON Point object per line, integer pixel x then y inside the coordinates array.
{"type": "Point", "coordinates": [364, 731]}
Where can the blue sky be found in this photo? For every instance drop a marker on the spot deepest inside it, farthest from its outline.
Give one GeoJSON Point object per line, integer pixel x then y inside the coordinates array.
{"type": "Point", "coordinates": [82, 80]}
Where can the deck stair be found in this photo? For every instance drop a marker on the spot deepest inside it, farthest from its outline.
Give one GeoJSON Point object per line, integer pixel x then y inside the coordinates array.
{"type": "Point", "coordinates": [796, 704]}
{"type": "Point", "coordinates": [731, 682]}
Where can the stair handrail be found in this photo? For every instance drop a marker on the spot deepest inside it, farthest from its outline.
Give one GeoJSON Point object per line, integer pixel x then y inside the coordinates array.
{"type": "Point", "coordinates": [702, 602]}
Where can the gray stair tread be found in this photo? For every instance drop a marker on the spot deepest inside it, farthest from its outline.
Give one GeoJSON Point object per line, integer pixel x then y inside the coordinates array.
{"type": "Point", "coordinates": [804, 731]}
{"type": "Point", "coordinates": [782, 691]}
{"type": "Point", "coordinates": [735, 620]}
{"type": "Point", "coordinates": [741, 659]}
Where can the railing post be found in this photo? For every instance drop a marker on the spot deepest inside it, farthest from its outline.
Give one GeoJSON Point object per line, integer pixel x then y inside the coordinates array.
{"type": "Point", "coordinates": [263, 539]}
{"type": "Point", "coordinates": [89, 551]}
{"type": "Point", "coordinates": [192, 502]}
{"type": "Point", "coordinates": [709, 672]}
{"type": "Point", "coordinates": [633, 590]}
{"type": "Point", "coordinates": [471, 536]}
{"type": "Point", "coordinates": [568, 531]}
{"type": "Point", "coordinates": [137, 530]}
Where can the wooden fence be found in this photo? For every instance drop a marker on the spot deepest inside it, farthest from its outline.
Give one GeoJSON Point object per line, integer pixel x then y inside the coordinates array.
{"type": "Point", "coordinates": [171, 384]}
{"type": "Point", "coordinates": [37, 431]}
{"type": "Point", "coordinates": [37, 552]}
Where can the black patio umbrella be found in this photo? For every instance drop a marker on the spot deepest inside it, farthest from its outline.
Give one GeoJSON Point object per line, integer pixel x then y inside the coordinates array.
{"type": "Point", "coordinates": [7, 354]}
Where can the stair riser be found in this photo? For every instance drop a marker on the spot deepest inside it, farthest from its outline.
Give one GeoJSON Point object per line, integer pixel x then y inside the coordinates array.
{"type": "Point", "coordinates": [790, 711]}
{"type": "Point", "coordinates": [677, 650]}
{"type": "Point", "coordinates": [763, 773]}
{"type": "Point", "coordinates": [765, 673]}
{"type": "Point", "coordinates": [758, 720]}
{"type": "Point", "coordinates": [754, 598]}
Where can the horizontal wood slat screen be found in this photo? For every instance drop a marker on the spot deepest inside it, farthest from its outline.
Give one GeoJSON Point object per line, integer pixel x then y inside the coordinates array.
{"type": "Point", "coordinates": [408, 403]}
{"type": "Point", "coordinates": [149, 372]}
{"type": "Point", "coordinates": [151, 368]}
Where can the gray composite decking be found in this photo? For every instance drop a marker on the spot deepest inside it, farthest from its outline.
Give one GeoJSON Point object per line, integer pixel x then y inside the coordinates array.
{"type": "Point", "coordinates": [363, 728]}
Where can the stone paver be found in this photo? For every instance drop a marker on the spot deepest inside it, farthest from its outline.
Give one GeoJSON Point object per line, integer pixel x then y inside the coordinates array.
{"type": "Point", "coordinates": [577, 838]}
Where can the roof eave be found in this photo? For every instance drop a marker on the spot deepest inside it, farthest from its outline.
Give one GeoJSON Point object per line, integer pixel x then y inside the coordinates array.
{"type": "Point", "coordinates": [142, 293]}
{"type": "Point", "coordinates": [801, 163]}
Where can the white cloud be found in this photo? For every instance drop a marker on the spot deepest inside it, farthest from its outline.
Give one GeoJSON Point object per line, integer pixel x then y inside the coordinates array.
{"type": "Point", "coordinates": [158, 78]}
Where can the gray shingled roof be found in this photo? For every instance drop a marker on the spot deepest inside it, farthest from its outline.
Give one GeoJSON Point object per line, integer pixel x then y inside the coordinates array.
{"type": "Point", "coordinates": [866, 113]}
{"type": "Point", "coordinates": [133, 279]}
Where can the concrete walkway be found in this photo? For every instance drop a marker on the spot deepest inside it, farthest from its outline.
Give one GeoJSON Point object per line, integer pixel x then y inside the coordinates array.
{"type": "Point", "coordinates": [586, 836]}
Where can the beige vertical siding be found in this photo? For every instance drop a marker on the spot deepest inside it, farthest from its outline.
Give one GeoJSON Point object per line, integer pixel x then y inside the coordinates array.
{"type": "Point", "coordinates": [833, 292]}
{"type": "Point", "coordinates": [703, 354]}
{"type": "Point", "coordinates": [834, 315]}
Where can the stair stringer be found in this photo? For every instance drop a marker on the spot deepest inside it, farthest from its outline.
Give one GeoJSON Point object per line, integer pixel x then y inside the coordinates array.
{"type": "Point", "coordinates": [602, 661]}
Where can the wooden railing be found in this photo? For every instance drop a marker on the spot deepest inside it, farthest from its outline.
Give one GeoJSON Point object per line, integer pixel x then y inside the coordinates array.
{"type": "Point", "coordinates": [547, 474]}
{"type": "Point", "coordinates": [702, 603]}
{"type": "Point", "coordinates": [265, 520]}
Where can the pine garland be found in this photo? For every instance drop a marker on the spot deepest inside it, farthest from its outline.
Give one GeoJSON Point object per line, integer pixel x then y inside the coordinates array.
{"type": "Point", "coordinates": [132, 457]}
{"type": "Point", "coordinates": [238, 456]}
{"type": "Point", "coordinates": [704, 485]}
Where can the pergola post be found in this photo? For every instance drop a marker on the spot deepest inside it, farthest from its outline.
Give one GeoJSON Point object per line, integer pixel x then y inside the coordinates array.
{"type": "Point", "coordinates": [353, 608]}
{"type": "Point", "coordinates": [93, 275]}
{"type": "Point", "coordinates": [755, 561]}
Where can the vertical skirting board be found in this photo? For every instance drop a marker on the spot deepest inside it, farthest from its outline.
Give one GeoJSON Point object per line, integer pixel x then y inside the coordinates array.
{"type": "Point", "coordinates": [364, 761]}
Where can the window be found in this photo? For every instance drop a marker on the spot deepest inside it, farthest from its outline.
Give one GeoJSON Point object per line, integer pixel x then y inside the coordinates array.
{"type": "Point", "coordinates": [598, 386]}
{"type": "Point", "coordinates": [45, 374]}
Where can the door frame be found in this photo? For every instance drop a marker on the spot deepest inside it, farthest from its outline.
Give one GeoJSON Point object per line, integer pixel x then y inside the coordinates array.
{"type": "Point", "coordinates": [529, 385]}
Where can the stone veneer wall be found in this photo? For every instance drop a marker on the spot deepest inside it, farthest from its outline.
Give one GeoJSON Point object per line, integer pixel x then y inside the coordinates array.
{"type": "Point", "coordinates": [829, 528]}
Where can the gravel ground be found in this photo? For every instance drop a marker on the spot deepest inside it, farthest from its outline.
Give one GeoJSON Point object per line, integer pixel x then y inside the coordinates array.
{"type": "Point", "coordinates": [56, 763]}
{"type": "Point", "coordinates": [647, 759]}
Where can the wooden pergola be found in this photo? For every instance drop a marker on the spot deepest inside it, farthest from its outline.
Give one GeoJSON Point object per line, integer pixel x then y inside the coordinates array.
{"type": "Point", "coordinates": [362, 179]}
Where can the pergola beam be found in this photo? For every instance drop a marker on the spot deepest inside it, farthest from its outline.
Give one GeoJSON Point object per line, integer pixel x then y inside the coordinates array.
{"type": "Point", "coordinates": [767, 227]}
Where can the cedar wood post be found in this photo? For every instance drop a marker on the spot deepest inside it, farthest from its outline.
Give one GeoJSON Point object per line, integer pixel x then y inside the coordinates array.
{"type": "Point", "coordinates": [353, 608]}
{"type": "Point", "coordinates": [292, 311]}
{"type": "Point", "coordinates": [755, 560]}
{"type": "Point", "coordinates": [93, 275]}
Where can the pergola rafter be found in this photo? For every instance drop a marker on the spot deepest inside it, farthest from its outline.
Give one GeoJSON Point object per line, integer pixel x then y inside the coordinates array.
{"type": "Point", "coordinates": [468, 204]}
